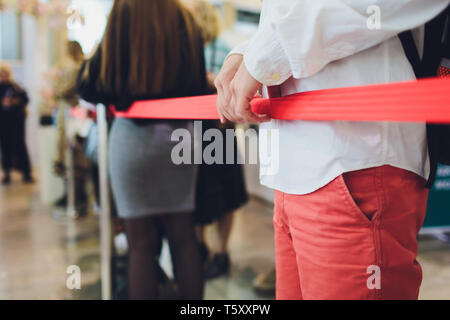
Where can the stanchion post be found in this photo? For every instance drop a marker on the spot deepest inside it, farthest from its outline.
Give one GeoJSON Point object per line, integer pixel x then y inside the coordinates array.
{"type": "Point", "coordinates": [105, 214]}
{"type": "Point", "coordinates": [70, 165]}
{"type": "Point", "coordinates": [71, 205]}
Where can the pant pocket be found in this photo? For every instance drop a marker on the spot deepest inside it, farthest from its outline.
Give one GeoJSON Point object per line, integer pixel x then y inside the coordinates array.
{"type": "Point", "coordinates": [361, 196]}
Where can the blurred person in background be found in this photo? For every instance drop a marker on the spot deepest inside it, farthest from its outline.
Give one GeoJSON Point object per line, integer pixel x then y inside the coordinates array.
{"type": "Point", "coordinates": [68, 98]}
{"type": "Point", "coordinates": [13, 103]}
{"type": "Point", "coordinates": [221, 188]}
{"type": "Point", "coordinates": [150, 50]}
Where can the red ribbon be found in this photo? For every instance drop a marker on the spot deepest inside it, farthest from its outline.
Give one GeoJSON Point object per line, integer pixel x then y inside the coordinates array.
{"type": "Point", "coordinates": [425, 100]}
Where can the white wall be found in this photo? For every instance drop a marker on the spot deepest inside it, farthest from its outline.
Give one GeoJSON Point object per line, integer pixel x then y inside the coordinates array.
{"type": "Point", "coordinates": [95, 13]}
{"type": "Point", "coordinates": [30, 69]}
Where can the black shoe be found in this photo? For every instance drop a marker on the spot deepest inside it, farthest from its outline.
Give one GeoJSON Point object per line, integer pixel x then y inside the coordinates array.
{"type": "Point", "coordinates": [81, 211]}
{"type": "Point", "coordinates": [62, 202]}
{"type": "Point", "coordinates": [6, 180]}
{"type": "Point", "coordinates": [264, 283]}
{"type": "Point", "coordinates": [218, 266]}
{"type": "Point", "coordinates": [28, 180]}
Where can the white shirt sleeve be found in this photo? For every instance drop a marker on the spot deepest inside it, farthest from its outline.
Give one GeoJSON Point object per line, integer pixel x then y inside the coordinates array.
{"type": "Point", "coordinates": [300, 37]}
{"type": "Point", "coordinates": [240, 49]}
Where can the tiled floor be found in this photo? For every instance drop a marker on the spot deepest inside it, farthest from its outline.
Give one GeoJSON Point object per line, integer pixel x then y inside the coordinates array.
{"type": "Point", "coordinates": [251, 250]}
{"type": "Point", "coordinates": [38, 243]}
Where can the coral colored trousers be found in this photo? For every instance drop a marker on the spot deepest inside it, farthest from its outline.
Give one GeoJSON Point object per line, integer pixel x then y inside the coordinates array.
{"type": "Point", "coordinates": [355, 238]}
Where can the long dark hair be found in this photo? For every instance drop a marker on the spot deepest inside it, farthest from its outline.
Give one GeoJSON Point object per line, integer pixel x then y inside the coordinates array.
{"type": "Point", "coordinates": [147, 43]}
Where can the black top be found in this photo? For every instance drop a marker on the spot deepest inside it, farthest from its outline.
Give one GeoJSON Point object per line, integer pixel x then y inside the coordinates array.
{"type": "Point", "coordinates": [15, 92]}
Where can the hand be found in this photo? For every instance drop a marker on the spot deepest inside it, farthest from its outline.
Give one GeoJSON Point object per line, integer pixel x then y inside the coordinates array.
{"type": "Point", "coordinates": [7, 102]}
{"type": "Point", "coordinates": [222, 83]}
{"type": "Point", "coordinates": [244, 88]}
{"type": "Point", "coordinates": [210, 78]}
{"type": "Point", "coordinates": [236, 88]}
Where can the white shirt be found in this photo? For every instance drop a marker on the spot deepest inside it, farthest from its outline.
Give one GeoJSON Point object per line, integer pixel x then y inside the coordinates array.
{"type": "Point", "coordinates": [306, 45]}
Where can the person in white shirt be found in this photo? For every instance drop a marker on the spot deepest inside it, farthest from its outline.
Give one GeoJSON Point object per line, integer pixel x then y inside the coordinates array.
{"type": "Point", "coordinates": [350, 196]}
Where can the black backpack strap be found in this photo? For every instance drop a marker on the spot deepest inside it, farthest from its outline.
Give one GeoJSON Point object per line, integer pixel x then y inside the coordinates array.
{"type": "Point", "coordinates": [410, 48]}
{"type": "Point", "coordinates": [434, 51]}
{"type": "Point", "coordinates": [433, 48]}
{"type": "Point", "coordinates": [446, 48]}
{"type": "Point", "coordinates": [433, 45]}
{"type": "Point", "coordinates": [427, 67]}
{"type": "Point", "coordinates": [412, 54]}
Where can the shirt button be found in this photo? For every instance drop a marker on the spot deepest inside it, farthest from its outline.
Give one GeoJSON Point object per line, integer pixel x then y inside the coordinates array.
{"type": "Point", "coordinates": [276, 76]}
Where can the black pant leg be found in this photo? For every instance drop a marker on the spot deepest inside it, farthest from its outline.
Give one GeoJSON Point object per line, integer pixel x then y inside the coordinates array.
{"type": "Point", "coordinates": [23, 159]}
{"type": "Point", "coordinates": [6, 144]}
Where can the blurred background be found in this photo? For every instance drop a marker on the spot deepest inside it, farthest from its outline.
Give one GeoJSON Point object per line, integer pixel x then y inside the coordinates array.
{"type": "Point", "coordinates": [49, 215]}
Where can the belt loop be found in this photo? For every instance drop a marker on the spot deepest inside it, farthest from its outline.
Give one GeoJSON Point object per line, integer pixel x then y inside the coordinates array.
{"type": "Point", "coordinates": [274, 91]}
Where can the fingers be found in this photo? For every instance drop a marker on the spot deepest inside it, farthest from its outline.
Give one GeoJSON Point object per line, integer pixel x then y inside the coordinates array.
{"type": "Point", "coordinates": [237, 116]}
{"type": "Point", "coordinates": [223, 101]}
{"type": "Point", "coordinates": [243, 90]}
{"type": "Point", "coordinates": [258, 94]}
{"type": "Point", "coordinates": [243, 112]}
{"type": "Point", "coordinates": [222, 83]}
{"type": "Point", "coordinates": [220, 102]}
{"type": "Point", "coordinates": [236, 88]}
{"type": "Point", "coordinates": [264, 118]}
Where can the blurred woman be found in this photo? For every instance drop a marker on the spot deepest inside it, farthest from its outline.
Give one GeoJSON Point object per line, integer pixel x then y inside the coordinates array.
{"type": "Point", "coordinates": [151, 49]}
{"type": "Point", "coordinates": [221, 188]}
{"type": "Point", "coordinates": [67, 97]}
{"type": "Point", "coordinates": [13, 103]}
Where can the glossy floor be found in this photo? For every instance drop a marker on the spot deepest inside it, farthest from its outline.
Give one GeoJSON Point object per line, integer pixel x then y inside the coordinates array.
{"type": "Point", "coordinates": [38, 244]}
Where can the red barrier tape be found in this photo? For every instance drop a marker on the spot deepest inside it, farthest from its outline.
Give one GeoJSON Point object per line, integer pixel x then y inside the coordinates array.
{"type": "Point", "coordinates": [413, 101]}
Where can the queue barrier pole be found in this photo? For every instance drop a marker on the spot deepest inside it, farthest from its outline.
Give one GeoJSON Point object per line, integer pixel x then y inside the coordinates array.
{"type": "Point", "coordinates": [105, 204]}
{"type": "Point", "coordinates": [71, 209]}
{"type": "Point", "coordinates": [65, 122]}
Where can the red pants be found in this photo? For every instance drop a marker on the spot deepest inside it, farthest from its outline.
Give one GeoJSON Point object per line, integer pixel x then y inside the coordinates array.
{"type": "Point", "coordinates": [355, 238]}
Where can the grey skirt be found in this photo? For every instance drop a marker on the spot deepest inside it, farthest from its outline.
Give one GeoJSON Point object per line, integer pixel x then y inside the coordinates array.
{"type": "Point", "coordinates": [144, 179]}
